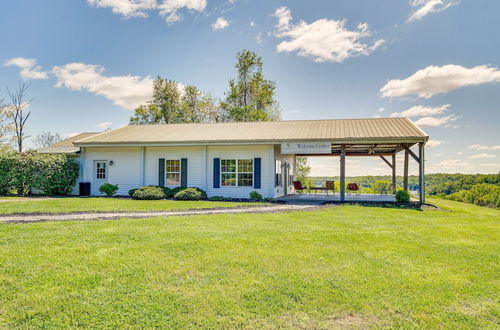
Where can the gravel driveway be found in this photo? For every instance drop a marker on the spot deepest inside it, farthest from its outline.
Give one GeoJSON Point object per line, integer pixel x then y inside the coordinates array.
{"type": "Point", "coordinates": [24, 218]}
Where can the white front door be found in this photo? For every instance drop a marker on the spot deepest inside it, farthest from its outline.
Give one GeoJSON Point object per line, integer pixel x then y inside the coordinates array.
{"type": "Point", "coordinates": [100, 175]}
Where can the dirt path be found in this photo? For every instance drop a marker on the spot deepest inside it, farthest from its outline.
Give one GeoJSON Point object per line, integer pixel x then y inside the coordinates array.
{"type": "Point", "coordinates": [24, 218]}
{"type": "Point", "coordinates": [24, 199]}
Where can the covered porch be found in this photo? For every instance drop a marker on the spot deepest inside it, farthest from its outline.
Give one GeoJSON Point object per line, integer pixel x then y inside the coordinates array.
{"type": "Point", "coordinates": [385, 149]}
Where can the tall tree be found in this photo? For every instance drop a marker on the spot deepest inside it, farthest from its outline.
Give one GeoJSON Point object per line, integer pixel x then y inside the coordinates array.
{"type": "Point", "coordinates": [167, 97]}
{"type": "Point", "coordinates": [303, 168]}
{"type": "Point", "coordinates": [46, 139]}
{"type": "Point", "coordinates": [250, 96]}
{"type": "Point", "coordinates": [171, 104]}
{"type": "Point", "coordinates": [18, 112]}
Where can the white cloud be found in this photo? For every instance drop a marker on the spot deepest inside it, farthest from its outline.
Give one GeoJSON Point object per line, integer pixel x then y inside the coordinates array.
{"type": "Point", "coordinates": [169, 8]}
{"type": "Point", "coordinates": [490, 165]}
{"type": "Point", "coordinates": [420, 110]}
{"type": "Point", "coordinates": [139, 8]}
{"type": "Point", "coordinates": [125, 91]}
{"type": "Point", "coordinates": [480, 147]}
{"type": "Point", "coordinates": [29, 68]}
{"type": "Point", "coordinates": [127, 8]}
{"type": "Point", "coordinates": [381, 110]}
{"type": "Point", "coordinates": [482, 156]}
{"type": "Point", "coordinates": [324, 39]}
{"type": "Point", "coordinates": [434, 143]}
{"type": "Point", "coordinates": [436, 121]}
{"type": "Point", "coordinates": [258, 38]}
{"type": "Point", "coordinates": [434, 80]}
{"type": "Point", "coordinates": [220, 23]}
{"type": "Point", "coordinates": [425, 7]}
{"type": "Point", "coordinates": [453, 164]}
{"type": "Point", "coordinates": [104, 125]}
{"type": "Point", "coordinates": [252, 23]}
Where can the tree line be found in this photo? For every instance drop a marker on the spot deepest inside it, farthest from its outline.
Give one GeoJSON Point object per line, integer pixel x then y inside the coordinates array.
{"type": "Point", "coordinates": [250, 97]}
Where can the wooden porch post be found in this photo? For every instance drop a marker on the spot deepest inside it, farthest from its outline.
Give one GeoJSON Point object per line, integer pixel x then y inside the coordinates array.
{"type": "Point", "coordinates": [342, 174]}
{"type": "Point", "coordinates": [405, 175]}
{"type": "Point", "coordinates": [421, 172]}
{"type": "Point", "coordinates": [394, 173]}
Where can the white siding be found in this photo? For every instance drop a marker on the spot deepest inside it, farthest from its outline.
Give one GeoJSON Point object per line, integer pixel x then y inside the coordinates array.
{"type": "Point", "coordinates": [265, 152]}
{"type": "Point", "coordinates": [125, 171]}
{"type": "Point", "coordinates": [194, 155]}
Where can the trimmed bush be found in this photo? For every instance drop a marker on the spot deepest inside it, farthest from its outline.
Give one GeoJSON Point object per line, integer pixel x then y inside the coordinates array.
{"type": "Point", "coordinates": [172, 192]}
{"type": "Point", "coordinates": [108, 189]}
{"type": "Point", "coordinates": [22, 172]}
{"type": "Point", "coordinates": [132, 191]}
{"type": "Point", "coordinates": [149, 193]}
{"type": "Point", "coordinates": [191, 194]}
{"type": "Point", "coordinates": [402, 196]}
{"type": "Point", "coordinates": [255, 196]}
{"type": "Point", "coordinates": [217, 198]}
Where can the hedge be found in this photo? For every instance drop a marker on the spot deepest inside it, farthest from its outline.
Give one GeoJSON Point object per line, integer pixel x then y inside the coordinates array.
{"type": "Point", "coordinates": [20, 173]}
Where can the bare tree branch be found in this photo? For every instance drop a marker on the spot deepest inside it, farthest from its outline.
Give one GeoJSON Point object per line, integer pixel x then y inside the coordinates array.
{"type": "Point", "coordinates": [18, 112]}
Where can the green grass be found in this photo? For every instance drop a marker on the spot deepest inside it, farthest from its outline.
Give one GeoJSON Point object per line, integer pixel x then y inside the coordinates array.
{"type": "Point", "coordinates": [75, 204]}
{"type": "Point", "coordinates": [340, 266]}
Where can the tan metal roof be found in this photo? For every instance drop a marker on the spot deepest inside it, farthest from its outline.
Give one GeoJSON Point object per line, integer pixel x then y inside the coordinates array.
{"type": "Point", "coordinates": [66, 146]}
{"type": "Point", "coordinates": [371, 130]}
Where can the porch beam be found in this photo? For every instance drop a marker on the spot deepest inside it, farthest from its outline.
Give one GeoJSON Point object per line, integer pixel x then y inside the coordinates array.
{"type": "Point", "coordinates": [421, 173]}
{"type": "Point", "coordinates": [394, 173]}
{"type": "Point", "coordinates": [386, 161]}
{"type": "Point", "coordinates": [405, 171]}
{"type": "Point", "coordinates": [342, 174]}
{"type": "Point", "coordinates": [411, 153]}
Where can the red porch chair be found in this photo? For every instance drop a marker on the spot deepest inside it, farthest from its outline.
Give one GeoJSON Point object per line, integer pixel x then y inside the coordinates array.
{"type": "Point", "coordinates": [353, 188]}
{"type": "Point", "coordinates": [297, 185]}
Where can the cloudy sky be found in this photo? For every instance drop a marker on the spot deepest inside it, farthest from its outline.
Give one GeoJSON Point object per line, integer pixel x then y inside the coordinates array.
{"type": "Point", "coordinates": [90, 62]}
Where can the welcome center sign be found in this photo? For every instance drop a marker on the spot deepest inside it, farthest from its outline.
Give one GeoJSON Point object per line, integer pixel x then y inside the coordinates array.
{"type": "Point", "coordinates": [306, 148]}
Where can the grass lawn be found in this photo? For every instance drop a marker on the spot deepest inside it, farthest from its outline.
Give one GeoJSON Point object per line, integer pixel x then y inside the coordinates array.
{"type": "Point", "coordinates": [337, 267]}
{"type": "Point", "coordinates": [76, 204]}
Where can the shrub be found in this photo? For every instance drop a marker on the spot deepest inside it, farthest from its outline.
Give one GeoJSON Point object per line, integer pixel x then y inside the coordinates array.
{"type": "Point", "coordinates": [108, 189]}
{"type": "Point", "coordinates": [191, 194]}
{"type": "Point", "coordinates": [22, 172]}
{"type": "Point", "coordinates": [217, 198]}
{"type": "Point", "coordinates": [255, 196]}
{"type": "Point", "coordinates": [149, 193]}
{"type": "Point", "coordinates": [132, 191]}
{"type": "Point", "coordinates": [172, 192]}
{"type": "Point", "coordinates": [402, 196]}
{"type": "Point", "coordinates": [270, 200]}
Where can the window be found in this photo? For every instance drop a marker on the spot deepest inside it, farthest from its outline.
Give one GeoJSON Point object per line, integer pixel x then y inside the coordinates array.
{"type": "Point", "coordinates": [101, 170]}
{"type": "Point", "coordinates": [173, 172]}
{"type": "Point", "coordinates": [236, 172]}
{"type": "Point", "coordinates": [277, 179]}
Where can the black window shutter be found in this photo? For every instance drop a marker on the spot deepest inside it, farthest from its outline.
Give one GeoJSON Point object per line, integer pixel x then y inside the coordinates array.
{"type": "Point", "coordinates": [184, 172]}
{"type": "Point", "coordinates": [161, 172]}
{"type": "Point", "coordinates": [256, 173]}
{"type": "Point", "coordinates": [216, 172]}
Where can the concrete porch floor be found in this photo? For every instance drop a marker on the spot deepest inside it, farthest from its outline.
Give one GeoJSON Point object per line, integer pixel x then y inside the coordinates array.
{"type": "Point", "coordinates": [323, 198]}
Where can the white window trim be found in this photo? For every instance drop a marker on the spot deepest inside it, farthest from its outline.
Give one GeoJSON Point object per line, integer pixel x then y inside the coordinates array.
{"type": "Point", "coordinates": [106, 173]}
{"type": "Point", "coordinates": [180, 172]}
{"type": "Point", "coordinates": [237, 172]}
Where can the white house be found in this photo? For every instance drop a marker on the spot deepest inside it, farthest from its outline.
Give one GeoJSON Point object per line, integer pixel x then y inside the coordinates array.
{"type": "Point", "coordinates": [233, 159]}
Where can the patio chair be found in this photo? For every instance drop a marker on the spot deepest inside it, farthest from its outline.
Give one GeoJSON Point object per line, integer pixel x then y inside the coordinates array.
{"type": "Point", "coordinates": [297, 185]}
{"type": "Point", "coordinates": [353, 188]}
{"type": "Point", "coordinates": [330, 185]}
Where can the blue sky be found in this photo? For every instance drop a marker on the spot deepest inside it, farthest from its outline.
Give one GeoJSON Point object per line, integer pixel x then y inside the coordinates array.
{"type": "Point", "coordinates": [91, 61]}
